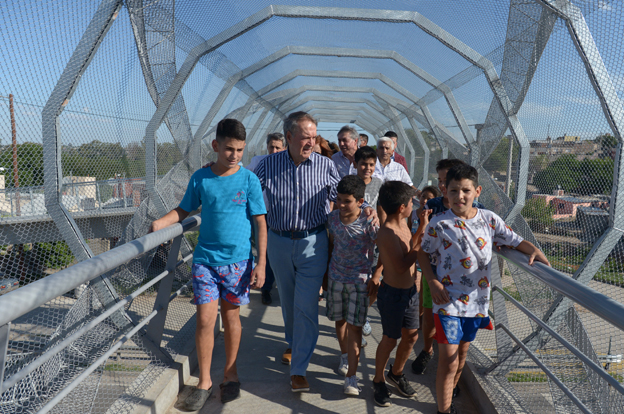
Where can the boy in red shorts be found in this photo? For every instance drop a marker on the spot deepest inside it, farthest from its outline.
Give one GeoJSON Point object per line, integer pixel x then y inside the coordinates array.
{"type": "Point", "coordinates": [462, 239]}
{"type": "Point", "coordinates": [231, 200]}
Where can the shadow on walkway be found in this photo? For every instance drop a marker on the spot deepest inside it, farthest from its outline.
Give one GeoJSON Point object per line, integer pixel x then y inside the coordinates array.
{"type": "Point", "coordinates": [265, 381]}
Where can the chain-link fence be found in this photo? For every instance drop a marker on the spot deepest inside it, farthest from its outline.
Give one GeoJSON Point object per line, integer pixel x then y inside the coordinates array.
{"type": "Point", "coordinates": [107, 108]}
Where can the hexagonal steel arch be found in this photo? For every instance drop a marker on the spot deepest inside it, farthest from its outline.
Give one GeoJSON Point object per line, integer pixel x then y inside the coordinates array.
{"type": "Point", "coordinates": [328, 13]}
{"type": "Point", "coordinates": [424, 118]}
{"type": "Point", "coordinates": [614, 113]}
{"type": "Point", "coordinates": [372, 54]}
{"type": "Point", "coordinates": [362, 53]}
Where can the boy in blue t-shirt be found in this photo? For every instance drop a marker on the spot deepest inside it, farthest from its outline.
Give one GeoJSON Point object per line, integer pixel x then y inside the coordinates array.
{"type": "Point", "coordinates": [231, 200]}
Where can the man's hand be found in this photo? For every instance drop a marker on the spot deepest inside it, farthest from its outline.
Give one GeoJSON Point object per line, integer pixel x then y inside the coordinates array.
{"type": "Point", "coordinates": [210, 164]}
{"type": "Point", "coordinates": [439, 294]}
{"type": "Point", "coordinates": [256, 281]}
{"type": "Point", "coordinates": [371, 215]}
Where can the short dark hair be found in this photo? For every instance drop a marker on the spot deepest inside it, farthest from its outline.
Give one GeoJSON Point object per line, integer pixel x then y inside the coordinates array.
{"type": "Point", "coordinates": [352, 185]}
{"type": "Point", "coordinates": [364, 153]}
{"type": "Point", "coordinates": [394, 194]}
{"type": "Point", "coordinates": [231, 128]}
{"type": "Point", "coordinates": [365, 137]}
{"type": "Point", "coordinates": [433, 190]}
{"type": "Point", "coordinates": [448, 163]}
{"type": "Point", "coordinates": [391, 134]}
{"type": "Point", "coordinates": [461, 172]}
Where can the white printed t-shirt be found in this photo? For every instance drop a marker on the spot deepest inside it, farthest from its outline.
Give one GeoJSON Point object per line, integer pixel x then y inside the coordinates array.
{"type": "Point", "coordinates": [464, 255]}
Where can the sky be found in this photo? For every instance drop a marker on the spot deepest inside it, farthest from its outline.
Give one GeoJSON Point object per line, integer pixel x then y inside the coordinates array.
{"type": "Point", "coordinates": [112, 104]}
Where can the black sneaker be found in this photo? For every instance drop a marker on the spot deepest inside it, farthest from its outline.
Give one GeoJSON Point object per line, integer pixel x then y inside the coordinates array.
{"type": "Point", "coordinates": [455, 391]}
{"type": "Point", "coordinates": [382, 394]}
{"type": "Point", "coordinates": [453, 410]}
{"type": "Point", "coordinates": [266, 297]}
{"type": "Point", "coordinates": [401, 384]}
{"type": "Point", "coordinates": [419, 366]}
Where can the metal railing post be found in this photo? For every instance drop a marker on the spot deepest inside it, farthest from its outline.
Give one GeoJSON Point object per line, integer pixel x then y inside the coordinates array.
{"type": "Point", "coordinates": [4, 346]}
{"type": "Point", "coordinates": [156, 326]}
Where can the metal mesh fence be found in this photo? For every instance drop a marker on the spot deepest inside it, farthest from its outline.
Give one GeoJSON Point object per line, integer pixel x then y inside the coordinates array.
{"type": "Point", "coordinates": [100, 131]}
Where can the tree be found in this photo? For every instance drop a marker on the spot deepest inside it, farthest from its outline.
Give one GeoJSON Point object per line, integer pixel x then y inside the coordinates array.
{"type": "Point", "coordinates": [597, 176]}
{"type": "Point", "coordinates": [499, 158]}
{"type": "Point", "coordinates": [585, 177]}
{"type": "Point", "coordinates": [607, 142]}
{"type": "Point", "coordinates": [538, 214]}
{"type": "Point", "coordinates": [564, 171]}
{"type": "Point", "coordinates": [29, 164]}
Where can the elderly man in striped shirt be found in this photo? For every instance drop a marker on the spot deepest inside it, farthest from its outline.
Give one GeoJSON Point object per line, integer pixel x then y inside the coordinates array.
{"type": "Point", "coordinates": [300, 187]}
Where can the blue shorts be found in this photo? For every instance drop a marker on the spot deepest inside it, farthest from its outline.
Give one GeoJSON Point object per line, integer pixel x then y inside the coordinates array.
{"type": "Point", "coordinates": [452, 329]}
{"type": "Point", "coordinates": [230, 282]}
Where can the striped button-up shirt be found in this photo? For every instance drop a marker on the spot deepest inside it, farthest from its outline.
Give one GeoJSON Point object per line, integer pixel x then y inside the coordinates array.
{"type": "Point", "coordinates": [342, 163]}
{"type": "Point", "coordinates": [298, 195]}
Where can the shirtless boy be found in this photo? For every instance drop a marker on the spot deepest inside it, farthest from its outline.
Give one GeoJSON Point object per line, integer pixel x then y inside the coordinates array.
{"type": "Point", "coordinates": [397, 297]}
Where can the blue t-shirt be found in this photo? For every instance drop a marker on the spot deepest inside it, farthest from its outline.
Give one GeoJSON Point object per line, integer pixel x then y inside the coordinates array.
{"type": "Point", "coordinates": [227, 206]}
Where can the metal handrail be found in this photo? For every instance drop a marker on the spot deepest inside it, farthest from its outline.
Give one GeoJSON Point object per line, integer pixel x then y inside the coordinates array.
{"type": "Point", "coordinates": [17, 303]}
{"type": "Point", "coordinates": [27, 298]}
{"type": "Point", "coordinates": [594, 301]}
{"type": "Point", "coordinates": [548, 372]}
{"type": "Point", "coordinates": [580, 355]}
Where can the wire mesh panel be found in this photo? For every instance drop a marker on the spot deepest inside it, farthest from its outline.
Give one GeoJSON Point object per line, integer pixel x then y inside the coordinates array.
{"type": "Point", "coordinates": [107, 109]}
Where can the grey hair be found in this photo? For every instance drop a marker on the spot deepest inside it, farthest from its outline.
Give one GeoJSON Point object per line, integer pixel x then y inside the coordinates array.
{"type": "Point", "coordinates": [386, 139]}
{"type": "Point", "coordinates": [291, 123]}
{"type": "Point", "coordinates": [354, 135]}
{"type": "Point", "coordinates": [276, 136]}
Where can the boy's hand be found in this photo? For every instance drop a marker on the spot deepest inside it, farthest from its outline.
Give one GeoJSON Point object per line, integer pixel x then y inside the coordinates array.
{"type": "Point", "coordinates": [439, 294]}
{"type": "Point", "coordinates": [256, 280]}
{"type": "Point", "coordinates": [424, 216]}
{"type": "Point", "coordinates": [373, 285]}
{"type": "Point", "coordinates": [156, 225]}
{"type": "Point", "coordinates": [371, 215]}
{"type": "Point", "coordinates": [539, 256]}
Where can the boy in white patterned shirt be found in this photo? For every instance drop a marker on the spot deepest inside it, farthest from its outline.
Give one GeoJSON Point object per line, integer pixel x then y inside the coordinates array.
{"type": "Point", "coordinates": [462, 238]}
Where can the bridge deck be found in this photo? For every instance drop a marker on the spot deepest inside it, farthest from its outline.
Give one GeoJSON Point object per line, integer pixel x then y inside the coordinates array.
{"type": "Point", "coordinates": [265, 380]}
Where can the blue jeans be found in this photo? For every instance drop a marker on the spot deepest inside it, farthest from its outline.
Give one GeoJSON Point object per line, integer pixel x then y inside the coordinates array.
{"type": "Point", "coordinates": [269, 277]}
{"type": "Point", "coordinates": [299, 266]}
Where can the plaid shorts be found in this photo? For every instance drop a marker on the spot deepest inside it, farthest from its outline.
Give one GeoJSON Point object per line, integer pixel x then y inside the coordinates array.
{"type": "Point", "coordinates": [347, 301]}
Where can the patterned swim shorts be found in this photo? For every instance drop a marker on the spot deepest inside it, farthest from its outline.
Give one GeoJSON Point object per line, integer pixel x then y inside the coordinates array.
{"type": "Point", "coordinates": [230, 282]}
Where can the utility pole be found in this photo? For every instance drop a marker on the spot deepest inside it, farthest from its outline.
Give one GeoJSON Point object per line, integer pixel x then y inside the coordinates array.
{"type": "Point", "coordinates": [18, 207]}
{"type": "Point", "coordinates": [509, 161]}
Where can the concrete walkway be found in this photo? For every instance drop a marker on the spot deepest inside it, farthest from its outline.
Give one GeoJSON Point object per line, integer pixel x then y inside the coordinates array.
{"type": "Point", "coordinates": [265, 380]}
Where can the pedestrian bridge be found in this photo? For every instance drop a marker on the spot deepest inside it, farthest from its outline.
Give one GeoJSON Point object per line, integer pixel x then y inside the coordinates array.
{"type": "Point", "coordinates": [527, 91]}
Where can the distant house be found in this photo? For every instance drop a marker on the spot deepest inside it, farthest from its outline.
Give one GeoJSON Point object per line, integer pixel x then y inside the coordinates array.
{"type": "Point", "coordinates": [567, 206]}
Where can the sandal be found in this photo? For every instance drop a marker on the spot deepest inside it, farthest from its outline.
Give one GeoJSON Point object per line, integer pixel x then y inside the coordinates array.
{"type": "Point", "coordinates": [197, 399]}
{"type": "Point", "coordinates": [230, 390]}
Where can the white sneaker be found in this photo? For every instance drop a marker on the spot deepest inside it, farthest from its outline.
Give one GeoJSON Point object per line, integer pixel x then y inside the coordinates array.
{"type": "Point", "coordinates": [343, 367]}
{"type": "Point", "coordinates": [351, 386]}
{"type": "Point", "coordinates": [366, 329]}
